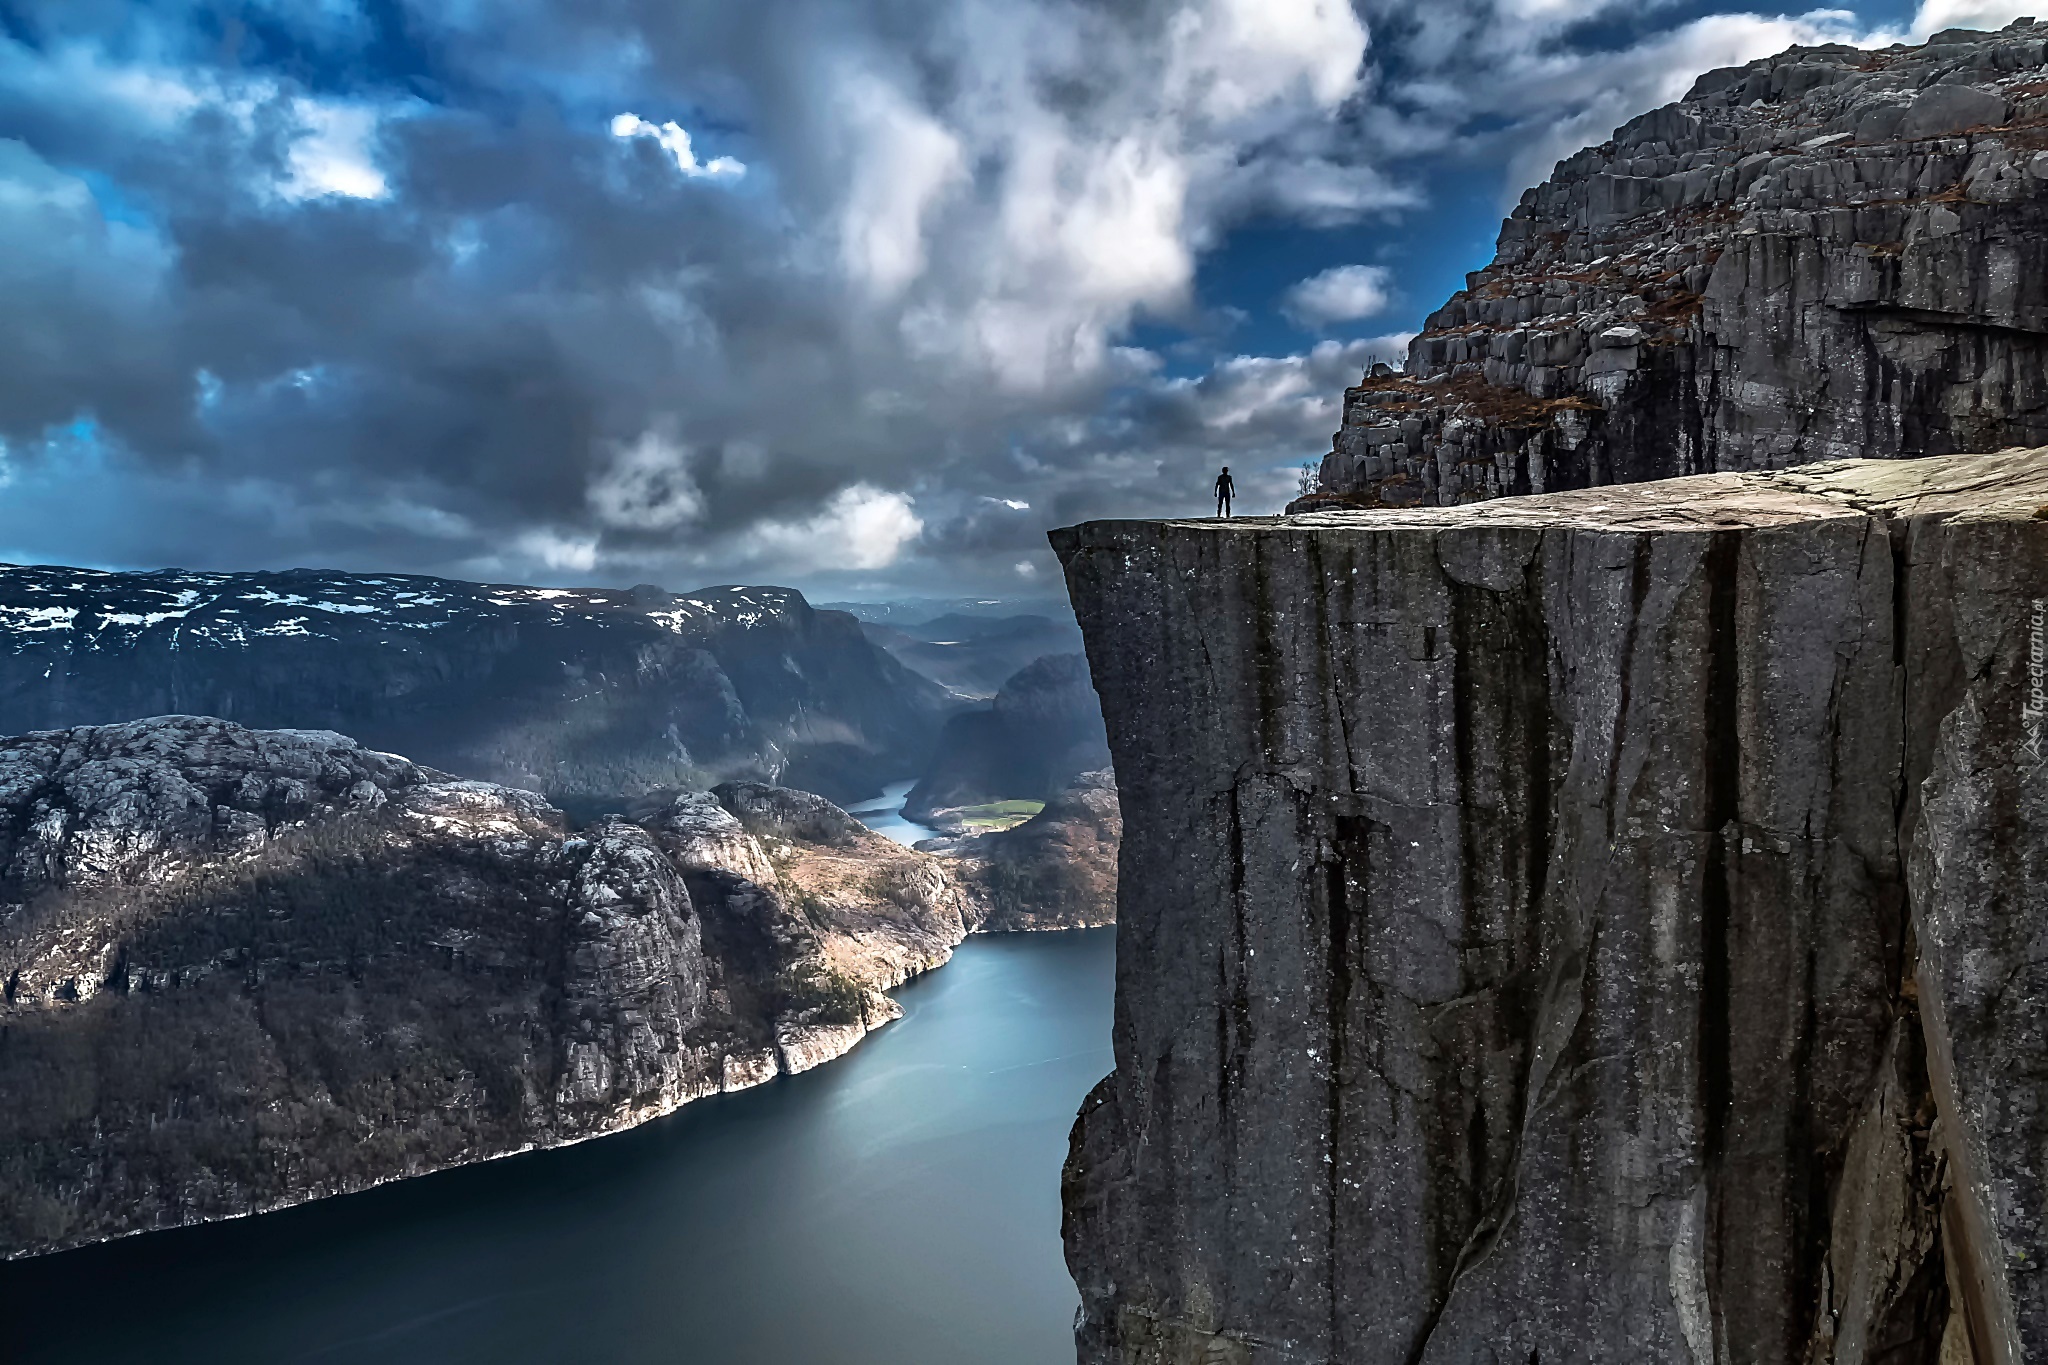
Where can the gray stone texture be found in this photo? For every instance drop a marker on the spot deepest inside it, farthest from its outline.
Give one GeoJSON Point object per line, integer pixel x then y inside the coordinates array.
{"type": "Point", "coordinates": [244, 968]}
{"type": "Point", "coordinates": [1826, 254]}
{"type": "Point", "coordinates": [1605, 926]}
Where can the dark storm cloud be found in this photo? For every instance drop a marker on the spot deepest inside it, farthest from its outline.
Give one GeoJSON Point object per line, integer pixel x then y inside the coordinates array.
{"type": "Point", "coordinates": [375, 284]}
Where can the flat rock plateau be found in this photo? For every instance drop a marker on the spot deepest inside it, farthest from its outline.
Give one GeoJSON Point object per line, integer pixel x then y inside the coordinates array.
{"type": "Point", "coordinates": [245, 968]}
{"type": "Point", "coordinates": [1602, 926]}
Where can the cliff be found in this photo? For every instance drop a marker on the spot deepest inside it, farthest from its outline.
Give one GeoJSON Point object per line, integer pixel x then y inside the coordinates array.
{"type": "Point", "coordinates": [247, 968]}
{"type": "Point", "coordinates": [588, 695]}
{"type": "Point", "coordinates": [1605, 926]}
{"type": "Point", "coordinates": [1042, 730]}
{"type": "Point", "coordinates": [1829, 253]}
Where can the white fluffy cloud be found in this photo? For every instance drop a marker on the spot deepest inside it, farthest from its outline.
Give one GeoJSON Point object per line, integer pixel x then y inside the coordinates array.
{"type": "Point", "coordinates": [862, 528]}
{"type": "Point", "coordinates": [676, 142]}
{"type": "Point", "coordinates": [1342, 293]}
{"type": "Point", "coordinates": [557, 551]}
{"type": "Point", "coordinates": [904, 160]}
{"type": "Point", "coordinates": [333, 153]}
{"type": "Point", "coordinates": [1072, 168]}
{"type": "Point", "coordinates": [647, 486]}
{"type": "Point", "coordinates": [1936, 15]}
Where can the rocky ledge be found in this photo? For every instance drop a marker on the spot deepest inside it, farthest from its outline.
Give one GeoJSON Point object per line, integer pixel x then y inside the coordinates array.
{"type": "Point", "coordinates": [1606, 926]}
{"type": "Point", "coordinates": [247, 968]}
{"type": "Point", "coordinates": [1825, 254]}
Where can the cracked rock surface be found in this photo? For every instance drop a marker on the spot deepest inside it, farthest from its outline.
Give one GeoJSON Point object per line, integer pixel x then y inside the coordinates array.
{"type": "Point", "coordinates": [1605, 926]}
{"type": "Point", "coordinates": [245, 968]}
{"type": "Point", "coordinates": [1826, 254]}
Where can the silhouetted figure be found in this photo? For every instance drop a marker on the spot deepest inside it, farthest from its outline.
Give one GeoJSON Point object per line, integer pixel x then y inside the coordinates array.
{"type": "Point", "coordinates": [1225, 488]}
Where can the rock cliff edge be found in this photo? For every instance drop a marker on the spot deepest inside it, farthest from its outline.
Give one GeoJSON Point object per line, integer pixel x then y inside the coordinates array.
{"type": "Point", "coordinates": [1603, 926]}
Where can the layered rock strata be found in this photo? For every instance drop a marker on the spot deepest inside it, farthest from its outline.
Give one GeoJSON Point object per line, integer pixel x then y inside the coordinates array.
{"type": "Point", "coordinates": [246, 968]}
{"type": "Point", "coordinates": [1605, 926]}
{"type": "Point", "coordinates": [1825, 254]}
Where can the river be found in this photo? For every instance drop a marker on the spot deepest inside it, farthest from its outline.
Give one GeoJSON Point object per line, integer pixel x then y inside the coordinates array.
{"type": "Point", "coordinates": [899, 1206]}
{"type": "Point", "coordinates": [884, 815]}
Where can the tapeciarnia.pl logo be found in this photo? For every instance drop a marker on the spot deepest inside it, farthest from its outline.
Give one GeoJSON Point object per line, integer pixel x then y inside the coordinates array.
{"type": "Point", "coordinates": [2034, 711]}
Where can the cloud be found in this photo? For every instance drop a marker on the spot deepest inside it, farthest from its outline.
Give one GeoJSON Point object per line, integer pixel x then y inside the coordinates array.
{"type": "Point", "coordinates": [1936, 15]}
{"type": "Point", "coordinates": [862, 528]}
{"type": "Point", "coordinates": [412, 286]}
{"type": "Point", "coordinates": [333, 153]}
{"type": "Point", "coordinates": [676, 143]}
{"type": "Point", "coordinates": [1342, 293]}
{"type": "Point", "coordinates": [647, 487]}
{"type": "Point", "coordinates": [907, 160]}
{"type": "Point", "coordinates": [558, 551]}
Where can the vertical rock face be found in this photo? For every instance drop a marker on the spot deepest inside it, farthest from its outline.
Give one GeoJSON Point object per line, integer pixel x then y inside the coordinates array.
{"type": "Point", "coordinates": [1826, 254]}
{"type": "Point", "coordinates": [1595, 927]}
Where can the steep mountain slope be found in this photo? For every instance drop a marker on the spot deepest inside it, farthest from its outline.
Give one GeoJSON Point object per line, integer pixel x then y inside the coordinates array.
{"type": "Point", "coordinates": [1056, 870]}
{"type": "Point", "coordinates": [1828, 253]}
{"type": "Point", "coordinates": [974, 655]}
{"type": "Point", "coordinates": [584, 694]}
{"type": "Point", "coordinates": [248, 968]}
{"type": "Point", "coordinates": [1042, 730]}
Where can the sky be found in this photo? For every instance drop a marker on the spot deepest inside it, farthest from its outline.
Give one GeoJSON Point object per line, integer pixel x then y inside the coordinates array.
{"type": "Point", "coordinates": [860, 298]}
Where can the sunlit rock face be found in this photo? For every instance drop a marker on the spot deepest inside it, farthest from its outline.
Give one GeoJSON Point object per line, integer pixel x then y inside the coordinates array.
{"type": "Point", "coordinates": [1826, 254]}
{"type": "Point", "coordinates": [246, 968]}
{"type": "Point", "coordinates": [1604, 926]}
{"type": "Point", "coordinates": [588, 695]}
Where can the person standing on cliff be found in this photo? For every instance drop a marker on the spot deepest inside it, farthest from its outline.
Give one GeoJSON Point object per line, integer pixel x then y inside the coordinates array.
{"type": "Point", "coordinates": [1225, 488]}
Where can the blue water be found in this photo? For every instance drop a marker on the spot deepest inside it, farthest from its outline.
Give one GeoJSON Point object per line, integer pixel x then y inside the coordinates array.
{"type": "Point", "coordinates": [897, 1207]}
{"type": "Point", "coordinates": [884, 815]}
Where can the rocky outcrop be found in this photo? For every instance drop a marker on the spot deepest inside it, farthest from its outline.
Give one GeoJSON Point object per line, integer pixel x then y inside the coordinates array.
{"type": "Point", "coordinates": [247, 968]}
{"type": "Point", "coordinates": [589, 695]}
{"type": "Point", "coordinates": [1042, 730]}
{"type": "Point", "coordinates": [1604, 926]}
{"type": "Point", "coordinates": [1829, 253]}
{"type": "Point", "coordinates": [1056, 870]}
